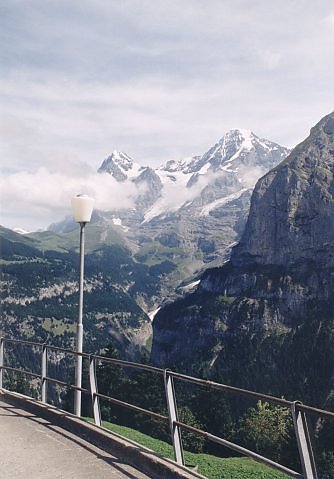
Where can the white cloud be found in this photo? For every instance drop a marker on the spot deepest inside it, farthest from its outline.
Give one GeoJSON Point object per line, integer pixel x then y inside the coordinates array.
{"type": "Point", "coordinates": [44, 197]}
{"type": "Point", "coordinates": [330, 18]}
{"type": "Point", "coordinates": [174, 195]}
{"type": "Point", "coordinates": [250, 175]}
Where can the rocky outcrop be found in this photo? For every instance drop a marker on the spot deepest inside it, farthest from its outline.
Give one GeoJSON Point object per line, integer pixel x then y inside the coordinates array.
{"type": "Point", "coordinates": [270, 309]}
{"type": "Point", "coordinates": [150, 187]}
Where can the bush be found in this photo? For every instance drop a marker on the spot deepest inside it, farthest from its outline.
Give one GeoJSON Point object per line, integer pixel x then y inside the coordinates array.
{"type": "Point", "coordinates": [266, 429]}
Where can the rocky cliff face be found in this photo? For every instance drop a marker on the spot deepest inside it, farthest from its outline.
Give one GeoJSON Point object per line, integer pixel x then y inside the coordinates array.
{"type": "Point", "coordinates": [271, 308]}
{"type": "Point", "coordinates": [291, 216]}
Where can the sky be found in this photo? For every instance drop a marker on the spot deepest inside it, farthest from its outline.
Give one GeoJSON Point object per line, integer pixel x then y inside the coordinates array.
{"type": "Point", "coordinates": [157, 79]}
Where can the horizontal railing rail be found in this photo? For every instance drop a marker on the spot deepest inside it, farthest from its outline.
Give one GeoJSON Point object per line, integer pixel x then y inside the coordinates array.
{"type": "Point", "coordinates": [23, 341]}
{"type": "Point", "coordinates": [240, 449]}
{"type": "Point", "coordinates": [121, 362]}
{"type": "Point", "coordinates": [132, 406]}
{"type": "Point", "coordinates": [246, 392]}
{"type": "Point", "coordinates": [298, 410]}
{"type": "Point", "coordinates": [19, 370]}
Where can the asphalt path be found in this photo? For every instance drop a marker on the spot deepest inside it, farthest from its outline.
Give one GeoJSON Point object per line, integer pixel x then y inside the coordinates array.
{"type": "Point", "coordinates": [33, 448]}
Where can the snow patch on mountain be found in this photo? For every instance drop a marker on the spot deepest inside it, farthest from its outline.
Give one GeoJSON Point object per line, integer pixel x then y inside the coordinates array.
{"type": "Point", "coordinates": [21, 231]}
{"type": "Point", "coordinates": [153, 313]}
{"type": "Point", "coordinates": [222, 201]}
{"type": "Point", "coordinates": [190, 286]}
{"type": "Point", "coordinates": [118, 222]}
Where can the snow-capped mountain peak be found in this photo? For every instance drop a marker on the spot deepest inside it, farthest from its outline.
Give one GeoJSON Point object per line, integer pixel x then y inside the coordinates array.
{"type": "Point", "coordinates": [239, 147]}
{"type": "Point", "coordinates": [230, 146]}
{"type": "Point", "coordinates": [240, 137]}
{"type": "Point", "coordinates": [120, 165]}
{"type": "Point", "coordinates": [245, 140]}
{"type": "Point", "coordinates": [226, 173]}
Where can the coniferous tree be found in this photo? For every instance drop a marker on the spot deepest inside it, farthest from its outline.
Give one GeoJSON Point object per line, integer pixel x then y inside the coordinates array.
{"type": "Point", "coordinates": [111, 381]}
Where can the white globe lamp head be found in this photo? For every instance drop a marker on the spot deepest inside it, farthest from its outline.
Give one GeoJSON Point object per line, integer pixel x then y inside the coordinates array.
{"type": "Point", "coordinates": [82, 206]}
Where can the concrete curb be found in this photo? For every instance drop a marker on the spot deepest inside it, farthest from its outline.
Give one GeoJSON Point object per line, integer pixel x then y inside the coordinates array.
{"type": "Point", "coordinates": [132, 453]}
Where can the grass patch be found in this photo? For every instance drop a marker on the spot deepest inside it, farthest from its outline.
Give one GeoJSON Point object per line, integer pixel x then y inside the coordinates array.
{"type": "Point", "coordinates": [96, 235]}
{"type": "Point", "coordinates": [154, 253]}
{"type": "Point", "coordinates": [57, 326]}
{"type": "Point", "coordinates": [210, 466]}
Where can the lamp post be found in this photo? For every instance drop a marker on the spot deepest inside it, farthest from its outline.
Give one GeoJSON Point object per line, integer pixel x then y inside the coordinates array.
{"type": "Point", "coordinates": [82, 206]}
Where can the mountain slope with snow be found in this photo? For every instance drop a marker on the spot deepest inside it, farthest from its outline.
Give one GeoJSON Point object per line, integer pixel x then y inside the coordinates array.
{"type": "Point", "coordinates": [190, 211]}
{"type": "Point", "coordinates": [234, 163]}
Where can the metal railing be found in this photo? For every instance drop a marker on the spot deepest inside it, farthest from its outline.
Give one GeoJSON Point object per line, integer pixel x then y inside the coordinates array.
{"type": "Point", "coordinates": [298, 410]}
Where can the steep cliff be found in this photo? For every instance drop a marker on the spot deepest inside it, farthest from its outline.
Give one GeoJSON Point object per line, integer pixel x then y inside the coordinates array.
{"type": "Point", "coordinates": [266, 318]}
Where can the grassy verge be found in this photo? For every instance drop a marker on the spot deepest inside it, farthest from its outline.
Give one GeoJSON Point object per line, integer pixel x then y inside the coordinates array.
{"type": "Point", "coordinates": [210, 466]}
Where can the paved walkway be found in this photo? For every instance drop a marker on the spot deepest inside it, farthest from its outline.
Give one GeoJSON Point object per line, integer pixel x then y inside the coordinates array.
{"type": "Point", "coordinates": [33, 448]}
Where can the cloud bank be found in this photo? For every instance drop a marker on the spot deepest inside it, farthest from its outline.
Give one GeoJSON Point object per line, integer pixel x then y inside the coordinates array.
{"type": "Point", "coordinates": [37, 199]}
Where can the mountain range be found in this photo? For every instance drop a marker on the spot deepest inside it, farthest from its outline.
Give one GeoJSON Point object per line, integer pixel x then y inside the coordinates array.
{"type": "Point", "coordinates": [189, 212]}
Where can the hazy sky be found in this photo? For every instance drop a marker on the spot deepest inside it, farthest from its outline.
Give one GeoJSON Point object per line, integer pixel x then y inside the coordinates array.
{"type": "Point", "coordinates": [158, 79]}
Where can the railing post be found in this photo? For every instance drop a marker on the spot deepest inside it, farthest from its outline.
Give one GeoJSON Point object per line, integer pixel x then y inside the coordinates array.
{"type": "Point", "coordinates": [304, 442]}
{"type": "Point", "coordinates": [93, 391]}
{"type": "Point", "coordinates": [44, 372]}
{"type": "Point", "coordinates": [173, 416]}
{"type": "Point", "coordinates": [1, 361]}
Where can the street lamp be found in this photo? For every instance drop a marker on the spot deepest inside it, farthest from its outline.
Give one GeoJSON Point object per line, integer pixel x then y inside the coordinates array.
{"type": "Point", "coordinates": [82, 206]}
